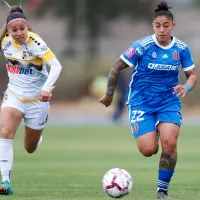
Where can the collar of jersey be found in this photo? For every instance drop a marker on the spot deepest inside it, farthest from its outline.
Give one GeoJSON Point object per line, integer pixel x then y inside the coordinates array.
{"type": "Point", "coordinates": [18, 46]}
{"type": "Point", "coordinates": [166, 47]}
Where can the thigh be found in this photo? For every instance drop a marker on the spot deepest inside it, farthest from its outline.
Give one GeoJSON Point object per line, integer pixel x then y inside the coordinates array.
{"type": "Point", "coordinates": [36, 115]}
{"type": "Point", "coordinates": [169, 122]}
{"type": "Point", "coordinates": [148, 142]}
{"type": "Point", "coordinates": [141, 122]}
{"type": "Point", "coordinates": [11, 116]}
{"type": "Point", "coordinates": [169, 133]}
{"type": "Point", "coordinates": [32, 137]}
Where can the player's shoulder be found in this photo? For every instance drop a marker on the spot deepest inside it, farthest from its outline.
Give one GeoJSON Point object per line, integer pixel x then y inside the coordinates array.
{"type": "Point", "coordinates": [145, 41]}
{"type": "Point", "coordinates": [180, 44]}
{"type": "Point", "coordinates": [35, 40]}
{"type": "Point", "coordinates": [33, 36]}
{"type": "Point", "coordinates": [7, 39]}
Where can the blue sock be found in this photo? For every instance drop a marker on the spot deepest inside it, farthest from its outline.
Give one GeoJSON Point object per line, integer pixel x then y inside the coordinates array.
{"type": "Point", "coordinates": [164, 178]}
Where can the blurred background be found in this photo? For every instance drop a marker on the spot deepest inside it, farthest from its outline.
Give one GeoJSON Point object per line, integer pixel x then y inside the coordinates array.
{"type": "Point", "coordinates": [87, 36]}
{"type": "Point", "coordinates": [83, 139]}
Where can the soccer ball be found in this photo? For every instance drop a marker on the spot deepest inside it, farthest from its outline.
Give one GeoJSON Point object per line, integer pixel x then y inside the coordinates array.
{"type": "Point", "coordinates": [117, 183]}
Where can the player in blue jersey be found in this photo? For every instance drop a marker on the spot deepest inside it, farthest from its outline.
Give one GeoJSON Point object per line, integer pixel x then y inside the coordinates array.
{"type": "Point", "coordinates": [154, 92]}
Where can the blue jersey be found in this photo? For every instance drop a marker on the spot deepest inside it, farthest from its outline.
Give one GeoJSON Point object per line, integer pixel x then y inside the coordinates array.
{"type": "Point", "coordinates": [156, 70]}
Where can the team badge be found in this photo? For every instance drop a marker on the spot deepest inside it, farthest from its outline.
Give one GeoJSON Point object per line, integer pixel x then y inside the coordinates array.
{"type": "Point", "coordinates": [44, 48]}
{"type": "Point", "coordinates": [154, 55]}
{"type": "Point", "coordinates": [135, 128]}
{"type": "Point", "coordinates": [175, 55]}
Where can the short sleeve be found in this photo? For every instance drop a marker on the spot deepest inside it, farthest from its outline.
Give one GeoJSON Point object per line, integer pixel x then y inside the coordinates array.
{"type": "Point", "coordinates": [133, 54]}
{"type": "Point", "coordinates": [41, 50]}
{"type": "Point", "coordinates": [187, 61]}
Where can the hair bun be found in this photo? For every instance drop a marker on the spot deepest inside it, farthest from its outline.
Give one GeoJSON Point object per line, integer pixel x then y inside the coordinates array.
{"type": "Point", "coordinates": [162, 6]}
{"type": "Point", "coordinates": [16, 9]}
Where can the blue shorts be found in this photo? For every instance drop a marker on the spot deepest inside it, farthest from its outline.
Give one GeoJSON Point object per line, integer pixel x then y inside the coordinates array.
{"type": "Point", "coordinates": [144, 120]}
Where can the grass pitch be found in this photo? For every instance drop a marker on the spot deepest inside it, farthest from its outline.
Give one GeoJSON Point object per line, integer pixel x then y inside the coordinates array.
{"type": "Point", "coordinates": [71, 161]}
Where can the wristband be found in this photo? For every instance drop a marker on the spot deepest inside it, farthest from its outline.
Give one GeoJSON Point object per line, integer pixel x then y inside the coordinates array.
{"type": "Point", "coordinates": [188, 87]}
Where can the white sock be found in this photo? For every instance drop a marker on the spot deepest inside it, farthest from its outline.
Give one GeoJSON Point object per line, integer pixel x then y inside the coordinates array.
{"type": "Point", "coordinates": [0, 162]}
{"type": "Point", "coordinates": [6, 158]}
{"type": "Point", "coordinates": [40, 141]}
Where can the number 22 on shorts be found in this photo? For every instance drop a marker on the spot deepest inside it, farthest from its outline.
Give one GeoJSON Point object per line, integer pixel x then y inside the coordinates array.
{"type": "Point", "coordinates": [137, 116]}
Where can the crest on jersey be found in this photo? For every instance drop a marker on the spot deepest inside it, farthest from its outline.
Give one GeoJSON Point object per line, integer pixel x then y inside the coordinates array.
{"type": "Point", "coordinates": [44, 48]}
{"type": "Point", "coordinates": [130, 52]}
{"type": "Point", "coordinates": [175, 55]}
{"type": "Point", "coordinates": [135, 128]}
{"type": "Point", "coordinates": [154, 55]}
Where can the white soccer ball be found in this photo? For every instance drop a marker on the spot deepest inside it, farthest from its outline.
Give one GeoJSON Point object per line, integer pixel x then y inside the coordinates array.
{"type": "Point", "coordinates": [117, 183]}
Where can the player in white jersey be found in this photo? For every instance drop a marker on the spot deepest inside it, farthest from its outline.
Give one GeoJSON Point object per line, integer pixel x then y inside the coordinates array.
{"type": "Point", "coordinates": [29, 89]}
{"type": "Point", "coordinates": [154, 92]}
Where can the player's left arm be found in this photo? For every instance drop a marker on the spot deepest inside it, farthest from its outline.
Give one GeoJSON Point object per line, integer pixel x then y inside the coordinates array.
{"type": "Point", "coordinates": [190, 73]}
{"type": "Point", "coordinates": [191, 78]}
{"type": "Point", "coordinates": [45, 53]}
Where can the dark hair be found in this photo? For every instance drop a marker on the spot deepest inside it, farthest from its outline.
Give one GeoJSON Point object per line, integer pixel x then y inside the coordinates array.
{"type": "Point", "coordinates": [163, 9]}
{"type": "Point", "coordinates": [15, 12]}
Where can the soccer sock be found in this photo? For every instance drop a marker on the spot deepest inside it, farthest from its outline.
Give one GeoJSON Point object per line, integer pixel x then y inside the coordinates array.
{"type": "Point", "coordinates": [6, 158]}
{"type": "Point", "coordinates": [0, 162]}
{"type": "Point", "coordinates": [164, 178]}
{"type": "Point", "coordinates": [40, 141]}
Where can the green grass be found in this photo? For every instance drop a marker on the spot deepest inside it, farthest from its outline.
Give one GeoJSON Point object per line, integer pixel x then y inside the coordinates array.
{"type": "Point", "coordinates": [71, 162]}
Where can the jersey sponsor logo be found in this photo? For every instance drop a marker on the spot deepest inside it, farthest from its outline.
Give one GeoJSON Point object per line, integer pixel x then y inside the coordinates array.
{"type": "Point", "coordinates": [7, 46]}
{"type": "Point", "coordinates": [8, 54]}
{"type": "Point", "coordinates": [130, 52]}
{"type": "Point", "coordinates": [175, 55]}
{"type": "Point", "coordinates": [18, 70]}
{"type": "Point", "coordinates": [162, 67]}
{"type": "Point", "coordinates": [139, 51]}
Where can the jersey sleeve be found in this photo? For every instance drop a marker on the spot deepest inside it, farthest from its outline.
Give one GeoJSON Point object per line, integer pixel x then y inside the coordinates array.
{"type": "Point", "coordinates": [41, 50]}
{"type": "Point", "coordinates": [133, 54]}
{"type": "Point", "coordinates": [187, 61]}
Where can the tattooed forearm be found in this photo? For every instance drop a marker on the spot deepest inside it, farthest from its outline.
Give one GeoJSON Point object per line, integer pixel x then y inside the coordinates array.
{"type": "Point", "coordinates": [191, 77]}
{"type": "Point", "coordinates": [167, 162]}
{"type": "Point", "coordinates": [114, 76]}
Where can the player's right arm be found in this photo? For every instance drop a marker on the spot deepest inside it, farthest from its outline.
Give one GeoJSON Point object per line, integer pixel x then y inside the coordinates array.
{"type": "Point", "coordinates": [128, 59]}
{"type": "Point", "coordinates": [112, 81]}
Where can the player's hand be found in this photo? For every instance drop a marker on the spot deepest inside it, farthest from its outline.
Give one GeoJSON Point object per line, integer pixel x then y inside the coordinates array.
{"type": "Point", "coordinates": [180, 90]}
{"type": "Point", "coordinates": [106, 100]}
{"type": "Point", "coordinates": [45, 96]}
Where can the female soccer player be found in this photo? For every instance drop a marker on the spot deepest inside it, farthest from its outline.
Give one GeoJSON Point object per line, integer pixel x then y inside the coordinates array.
{"type": "Point", "coordinates": [29, 88]}
{"type": "Point", "coordinates": [153, 97]}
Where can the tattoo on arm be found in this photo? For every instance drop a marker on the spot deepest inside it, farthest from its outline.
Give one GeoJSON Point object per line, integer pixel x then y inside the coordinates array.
{"type": "Point", "coordinates": [167, 162]}
{"type": "Point", "coordinates": [191, 77]}
{"type": "Point", "coordinates": [114, 76]}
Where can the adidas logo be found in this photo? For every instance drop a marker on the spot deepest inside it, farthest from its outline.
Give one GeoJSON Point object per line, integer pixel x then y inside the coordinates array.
{"type": "Point", "coordinates": [165, 56]}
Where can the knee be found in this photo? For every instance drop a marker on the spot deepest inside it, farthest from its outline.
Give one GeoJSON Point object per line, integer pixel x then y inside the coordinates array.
{"type": "Point", "coordinates": [148, 151]}
{"type": "Point", "coordinates": [7, 133]}
{"type": "Point", "coordinates": [30, 149]}
{"type": "Point", "coordinates": [169, 146]}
